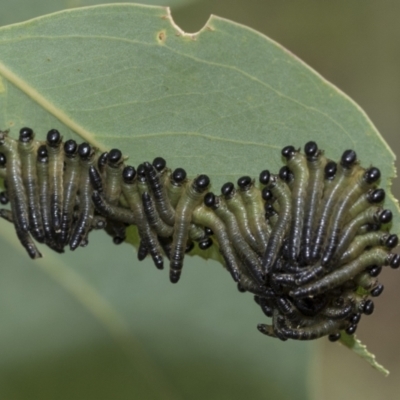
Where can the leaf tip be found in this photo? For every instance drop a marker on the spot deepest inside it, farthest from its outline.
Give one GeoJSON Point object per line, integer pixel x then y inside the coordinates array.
{"type": "Point", "coordinates": [360, 349]}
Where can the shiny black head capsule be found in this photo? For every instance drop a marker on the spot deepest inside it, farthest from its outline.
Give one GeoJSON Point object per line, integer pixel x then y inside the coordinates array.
{"type": "Point", "coordinates": [129, 174]}
{"type": "Point", "coordinates": [349, 157]}
{"type": "Point", "coordinates": [42, 153]}
{"type": "Point", "coordinates": [377, 291]}
{"type": "Point", "coordinates": [372, 175]}
{"type": "Point", "coordinates": [288, 152]}
{"type": "Point", "coordinates": [267, 195]}
{"type": "Point", "coordinates": [376, 196]}
{"type": "Point", "coordinates": [84, 150]}
{"type": "Point", "coordinates": [201, 183]}
{"type": "Point", "coordinates": [374, 270]}
{"type": "Point", "coordinates": [350, 330]}
{"type": "Point", "coordinates": [70, 148]}
{"type": "Point", "coordinates": [54, 138]}
{"type": "Point", "coordinates": [385, 216]}
{"type": "Point", "coordinates": [355, 318]}
{"type": "Point", "coordinates": [141, 173]}
{"type": "Point", "coordinates": [114, 157]}
{"type": "Point", "coordinates": [228, 189]}
{"type": "Point", "coordinates": [330, 170]}
{"type": "Point", "coordinates": [179, 175]}
{"type": "Point", "coordinates": [159, 163]}
{"type": "Point", "coordinates": [394, 261]}
{"type": "Point", "coordinates": [264, 177]}
{"type": "Point", "coordinates": [26, 135]}
{"type": "Point", "coordinates": [368, 307]}
{"type": "Point", "coordinates": [208, 231]}
{"type": "Point", "coordinates": [334, 337]}
{"type": "Point", "coordinates": [210, 199]}
{"type": "Point", "coordinates": [392, 241]}
{"type": "Point", "coordinates": [285, 174]}
{"type": "Point", "coordinates": [244, 182]}
{"type": "Point", "coordinates": [205, 244]}
{"type": "Point", "coordinates": [310, 150]}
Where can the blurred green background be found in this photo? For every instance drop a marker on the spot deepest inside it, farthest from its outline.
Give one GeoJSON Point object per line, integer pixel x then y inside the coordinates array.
{"type": "Point", "coordinates": [198, 339]}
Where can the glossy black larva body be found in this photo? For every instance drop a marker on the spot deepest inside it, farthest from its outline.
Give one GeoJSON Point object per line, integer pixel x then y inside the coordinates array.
{"type": "Point", "coordinates": [309, 243]}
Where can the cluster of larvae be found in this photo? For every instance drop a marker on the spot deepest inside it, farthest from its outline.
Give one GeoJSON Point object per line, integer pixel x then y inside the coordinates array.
{"type": "Point", "coordinates": [309, 243]}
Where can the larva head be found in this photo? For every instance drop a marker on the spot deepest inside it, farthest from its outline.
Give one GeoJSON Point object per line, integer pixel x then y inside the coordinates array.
{"type": "Point", "coordinates": [205, 244]}
{"type": "Point", "coordinates": [245, 183]}
{"type": "Point", "coordinates": [228, 190]}
{"type": "Point", "coordinates": [42, 155]}
{"type": "Point", "coordinates": [391, 241]}
{"type": "Point", "coordinates": [141, 173]}
{"type": "Point", "coordinates": [210, 200]}
{"type": "Point", "coordinates": [286, 174]}
{"type": "Point", "coordinates": [385, 216]}
{"type": "Point", "coordinates": [85, 151]}
{"type": "Point", "coordinates": [351, 330]}
{"type": "Point", "coordinates": [311, 150]}
{"type": "Point", "coordinates": [267, 195]}
{"type": "Point", "coordinates": [374, 270]}
{"type": "Point", "coordinates": [368, 307]}
{"type": "Point", "coordinates": [348, 159]}
{"type": "Point", "coordinates": [159, 164]}
{"type": "Point", "coordinates": [208, 231]}
{"type": "Point", "coordinates": [114, 158]}
{"type": "Point", "coordinates": [70, 148]}
{"type": "Point", "coordinates": [53, 138]}
{"type": "Point", "coordinates": [376, 196]}
{"type": "Point", "coordinates": [201, 183]}
{"type": "Point", "coordinates": [129, 174]}
{"type": "Point", "coordinates": [3, 160]}
{"type": "Point", "coordinates": [334, 337]}
{"type": "Point", "coordinates": [372, 175]}
{"type": "Point", "coordinates": [26, 135]}
{"type": "Point", "coordinates": [264, 177]}
{"type": "Point", "coordinates": [178, 176]}
{"type": "Point", "coordinates": [330, 170]}
{"type": "Point", "coordinates": [288, 152]}
{"type": "Point", "coordinates": [377, 290]}
{"type": "Point", "coordinates": [355, 318]}
{"type": "Point", "coordinates": [394, 261]}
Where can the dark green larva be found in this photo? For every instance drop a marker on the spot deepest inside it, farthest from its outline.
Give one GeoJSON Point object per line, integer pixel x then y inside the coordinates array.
{"type": "Point", "coordinates": [309, 243]}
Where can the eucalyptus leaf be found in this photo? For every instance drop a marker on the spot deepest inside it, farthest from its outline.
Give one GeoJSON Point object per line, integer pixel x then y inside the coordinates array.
{"type": "Point", "coordinates": [221, 102]}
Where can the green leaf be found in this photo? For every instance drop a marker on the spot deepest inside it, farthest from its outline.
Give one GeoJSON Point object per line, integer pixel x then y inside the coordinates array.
{"type": "Point", "coordinates": [222, 102]}
{"type": "Point", "coordinates": [360, 349]}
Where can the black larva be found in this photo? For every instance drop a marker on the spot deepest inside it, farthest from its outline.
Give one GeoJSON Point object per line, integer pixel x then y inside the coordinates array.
{"type": "Point", "coordinates": [309, 243]}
